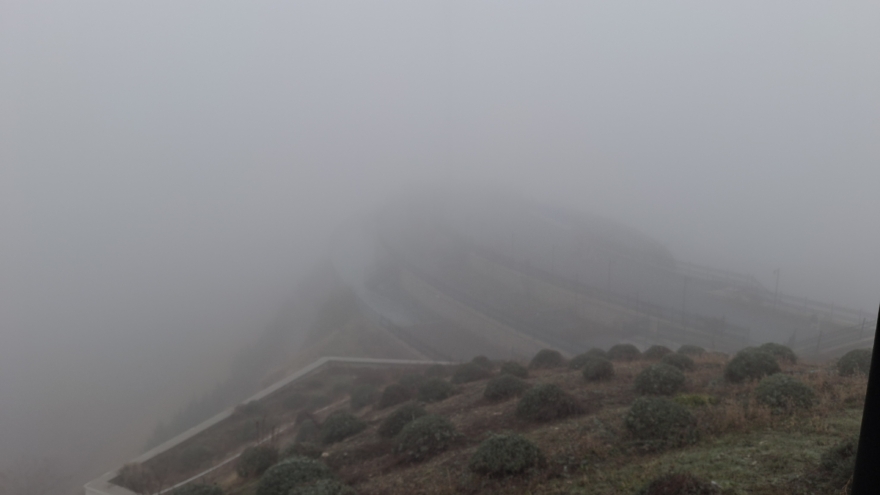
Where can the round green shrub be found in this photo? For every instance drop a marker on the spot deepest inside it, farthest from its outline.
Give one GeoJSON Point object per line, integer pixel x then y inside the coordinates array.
{"type": "Point", "coordinates": [362, 396]}
{"type": "Point", "coordinates": [578, 361]}
{"type": "Point", "coordinates": [838, 463]}
{"type": "Point", "coordinates": [469, 372]}
{"type": "Point", "coordinates": [483, 362]}
{"type": "Point", "coordinates": [339, 426]}
{"type": "Point", "coordinates": [324, 487]}
{"type": "Point", "coordinates": [514, 369]}
{"type": "Point", "coordinates": [308, 432]}
{"type": "Point", "coordinates": [193, 457]}
{"type": "Point", "coordinates": [855, 362]}
{"type": "Point", "coordinates": [659, 379]}
{"type": "Point", "coordinates": [394, 394]}
{"type": "Point", "coordinates": [254, 461]}
{"type": "Point", "coordinates": [547, 358]}
{"type": "Point", "coordinates": [750, 364]}
{"type": "Point", "coordinates": [505, 455]}
{"type": "Point", "coordinates": [658, 423]}
{"type": "Point", "coordinates": [624, 352]}
{"type": "Point", "coordinates": [656, 352]}
{"type": "Point", "coordinates": [691, 350]}
{"type": "Point", "coordinates": [784, 393]}
{"type": "Point", "coordinates": [402, 416]}
{"type": "Point", "coordinates": [679, 484]}
{"type": "Point", "coordinates": [425, 437]}
{"type": "Point", "coordinates": [411, 381]}
{"type": "Point", "coordinates": [680, 361]}
{"type": "Point", "coordinates": [290, 473]}
{"type": "Point", "coordinates": [595, 369]}
{"type": "Point", "coordinates": [198, 489]}
{"type": "Point", "coordinates": [546, 402]}
{"type": "Point", "coordinates": [435, 390]}
{"type": "Point", "coordinates": [504, 387]}
{"type": "Point", "coordinates": [779, 351]}
{"type": "Point", "coordinates": [310, 450]}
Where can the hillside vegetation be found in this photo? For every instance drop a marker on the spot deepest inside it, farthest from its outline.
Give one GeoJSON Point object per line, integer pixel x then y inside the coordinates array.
{"type": "Point", "coordinates": [716, 432]}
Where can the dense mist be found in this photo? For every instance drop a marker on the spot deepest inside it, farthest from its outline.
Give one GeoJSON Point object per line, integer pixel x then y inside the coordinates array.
{"type": "Point", "coordinates": [170, 174]}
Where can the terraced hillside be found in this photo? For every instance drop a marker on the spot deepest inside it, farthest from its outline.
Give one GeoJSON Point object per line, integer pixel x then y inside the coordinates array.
{"type": "Point", "coordinates": [580, 426]}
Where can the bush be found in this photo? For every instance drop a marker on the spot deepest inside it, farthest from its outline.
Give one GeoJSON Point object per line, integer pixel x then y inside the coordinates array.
{"type": "Point", "coordinates": [659, 423]}
{"type": "Point", "coordinates": [435, 390]}
{"type": "Point", "coordinates": [546, 402]}
{"type": "Point", "coordinates": [680, 361]}
{"type": "Point", "coordinates": [853, 362]}
{"type": "Point", "coordinates": [425, 437]}
{"type": "Point", "coordinates": [469, 372]}
{"type": "Point", "coordinates": [394, 394]}
{"type": "Point", "coordinates": [198, 489]}
{"type": "Point", "coordinates": [695, 400]}
{"type": "Point", "coordinates": [504, 387]}
{"type": "Point", "coordinates": [595, 369]}
{"type": "Point", "coordinates": [339, 426]}
{"type": "Point", "coordinates": [624, 352]}
{"type": "Point", "coordinates": [547, 358]}
{"type": "Point", "coordinates": [838, 463]}
{"type": "Point", "coordinates": [656, 352]}
{"type": "Point", "coordinates": [779, 351]}
{"type": "Point", "coordinates": [290, 473]}
{"type": "Point", "coordinates": [395, 421]}
{"type": "Point", "coordinates": [193, 457]}
{"type": "Point", "coordinates": [254, 461]}
{"type": "Point", "coordinates": [659, 379]}
{"type": "Point", "coordinates": [308, 432]}
{"type": "Point", "coordinates": [362, 396]}
{"type": "Point", "coordinates": [691, 350]}
{"type": "Point", "coordinates": [309, 450]}
{"type": "Point", "coordinates": [483, 362]}
{"type": "Point", "coordinates": [784, 393]}
{"type": "Point", "coordinates": [578, 361]}
{"type": "Point", "coordinates": [323, 487]}
{"type": "Point", "coordinates": [411, 382]}
{"type": "Point", "coordinates": [679, 484]}
{"type": "Point", "coordinates": [750, 364]}
{"type": "Point", "coordinates": [249, 431]}
{"type": "Point", "coordinates": [514, 369]}
{"type": "Point", "coordinates": [504, 455]}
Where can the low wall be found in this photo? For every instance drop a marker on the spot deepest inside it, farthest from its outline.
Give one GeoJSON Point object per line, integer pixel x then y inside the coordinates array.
{"type": "Point", "coordinates": [103, 486]}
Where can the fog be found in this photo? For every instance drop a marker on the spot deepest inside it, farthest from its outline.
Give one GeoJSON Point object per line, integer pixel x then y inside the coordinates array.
{"type": "Point", "coordinates": [170, 171]}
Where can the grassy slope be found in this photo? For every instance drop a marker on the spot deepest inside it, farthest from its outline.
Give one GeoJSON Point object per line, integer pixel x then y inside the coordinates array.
{"type": "Point", "coordinates": [744, 448]}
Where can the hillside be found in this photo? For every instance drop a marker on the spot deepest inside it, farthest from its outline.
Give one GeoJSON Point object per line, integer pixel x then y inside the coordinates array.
{"type": "Point", "coordinates": [737, 443]}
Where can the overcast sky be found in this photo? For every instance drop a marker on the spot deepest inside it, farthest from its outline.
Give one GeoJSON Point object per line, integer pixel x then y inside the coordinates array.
{"type": "Point", "coordinates": [167, 169]}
